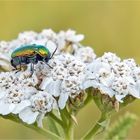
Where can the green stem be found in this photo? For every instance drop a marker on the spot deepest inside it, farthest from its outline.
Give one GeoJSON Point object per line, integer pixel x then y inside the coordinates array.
{"type": "Point", "coordinates": [69, 132]}
{"type": "Point", "coordinates": [87, 100]}
{"type": "Point", "coordinates": [64, 119]}
{"type": "Point", "coordinates": [68, 123]}
{"type": "Point", "coordinates": [56, 119]}
{"type": "Point", "coordinates": [97, 128]}
{"type": "Point", "coordinates": [70, 129]}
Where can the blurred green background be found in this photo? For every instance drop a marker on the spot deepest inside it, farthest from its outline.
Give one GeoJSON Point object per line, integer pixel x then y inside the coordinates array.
{"type": "Point", "coordinates": [108, 26]}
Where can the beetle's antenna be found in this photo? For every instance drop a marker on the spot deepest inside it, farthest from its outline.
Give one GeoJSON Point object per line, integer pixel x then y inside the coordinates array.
{"type": "Point", "coordinates": [54, 52]}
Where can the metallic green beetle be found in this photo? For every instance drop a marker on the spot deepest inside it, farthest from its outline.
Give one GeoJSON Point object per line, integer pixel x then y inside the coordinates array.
{"type": "Point", "coordinates": [30, 54]}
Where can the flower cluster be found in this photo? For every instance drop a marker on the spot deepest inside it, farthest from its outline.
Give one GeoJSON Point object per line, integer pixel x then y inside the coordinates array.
{"type": "Point", "coordinates": [74, 69]}
{"type": "Point", "coordinates": [113, 77]}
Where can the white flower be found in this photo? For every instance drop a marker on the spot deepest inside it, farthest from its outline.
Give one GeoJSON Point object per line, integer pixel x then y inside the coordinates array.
{"type": "Point", "coordinates": [74, 68]}
{"type": "Point", "coordinates": [51, 86]}
{"type": "Point", "coordinates": [106, 76]}
{"type": "Point", "coordinates": [41, 70]}
{"type": "Point", "coordinates": [134, 90]}
{"type": "Point", "coordinates": [68, 40]}
{"type": "Point", "coordinates": [70, 87]}
{"type": "Point", "coordinates": [65, 78]}
{"type": "Point", "coordinates": [70, 35]}
{"type": "Point", "coordinates": [121, 86]}
{"type": "Point", "coordinates": [59, 72]}
{"type": "Point", "coordinates": [121, 69]}
{"type": "Point", "coordinates": [4, 57]}
{"type": "Point", "coordinates": [41, 103]}
{"type": "Point", "coordinates": [4, 46]}
{"type": "Point", "coordinates": [16, 90]}
{"type": "Point", "coordinates": [131, 63]}
{"type": "Point", "coordinates": [13, 102]}
{"type": "Point", "coordinates": [85, 54]}
{"type": "Point", "coordinates": [136, 74]}
{"type": "Point", "coordinates": [47, 34]}
{"type": "Point", "coordinates": [27, 37]}
{"type": "Point", "coordinates": [97, 73]}
{"type": "Point", "coordinates": [109, 58]}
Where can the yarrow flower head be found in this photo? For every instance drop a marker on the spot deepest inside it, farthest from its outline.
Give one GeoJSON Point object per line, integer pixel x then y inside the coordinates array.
{"type": "Point", "coordinates": [40, 104]}
{"type": "Point", "coordinates": [72, 70]}
{"type": "Point", "coordinates": [113, 77]}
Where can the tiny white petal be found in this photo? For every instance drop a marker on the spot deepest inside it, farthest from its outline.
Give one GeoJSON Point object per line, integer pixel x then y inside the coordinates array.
{"type": "Point", "coordinates": [19, 107]}
{"type": "Point", "coordinates": [76, 38]}
{"type": "Point", "coordinates": [28, 116]}
{"type": "Point", "coordinates": [106, 90]}
{"type": "Point", "coordinates": [62, 100]}
{"type": "Point", "coordinates": [135, 90]}
{"type": "Point", "coordinates": [4, 57]}
{"type": "Point", "coordinates": [45, 83]}
{"type": "Point", "coordinates": [54, 88]}
{"type": "Point", "coordinates": [4, 108]}
{"type": "Point", "coordinates": [89, 83]}
{"type": "Point", "coordinates": [12, 106]}
{"type": "Point", "coordinates": [2, 94]}
{"type": "Point", "coordinates": [51, 86]}
{"type": "Point", "coordinates": [120, 97]}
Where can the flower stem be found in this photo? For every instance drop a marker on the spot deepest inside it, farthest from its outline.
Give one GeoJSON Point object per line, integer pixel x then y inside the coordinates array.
{"type": "Point", "coordinates": [69, 132]}
{"type": "Point", "coordinates": [55, 118]}
{"type": "Point", "coordinates": [97, 128]}
{"type": "Point", "coordinates": [68, 123]}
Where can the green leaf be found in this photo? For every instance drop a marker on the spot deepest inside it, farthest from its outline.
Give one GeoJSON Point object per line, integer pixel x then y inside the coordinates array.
{"type": "Point", "coordinates": [48, 134]}
{"type": "Point", "coordinates": [119, 130]}
{"type": "Point", "coordinates": [51, 125]}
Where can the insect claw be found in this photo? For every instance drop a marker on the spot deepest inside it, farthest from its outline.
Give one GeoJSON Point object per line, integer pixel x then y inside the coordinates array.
{"type": "Point", "coordinates": [17, 71]}
{"type": "Point", "coordinates": [31, 74]}
{"type": "Point", "coordinates": [14, 69]}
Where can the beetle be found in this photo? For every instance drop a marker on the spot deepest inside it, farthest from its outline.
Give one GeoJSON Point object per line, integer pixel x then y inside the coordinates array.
{"type": "Point", "coordinates": [30, 54]}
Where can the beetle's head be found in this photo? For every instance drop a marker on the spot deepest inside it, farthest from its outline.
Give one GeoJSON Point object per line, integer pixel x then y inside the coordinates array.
{"type": "Point", "coordinates": [47, 58]}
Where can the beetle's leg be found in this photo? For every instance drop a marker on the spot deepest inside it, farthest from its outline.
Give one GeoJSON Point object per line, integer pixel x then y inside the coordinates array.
{"type": "Point", "coordinates": [19, 59]}
{"type": "Point", "coordinates": [17, 70]}
{"type": "Point", "coordinates": [32, 66]}
{"type": "Point", "coordinates": [32, 69]}
{"type": "Point", "coordinates": [50, 66]}
{"type": "Point", "coordinates": [20, 66]}
{"type": "Point", "coordinates": [19, 63]}
{"type": "Point", "coordinates": [13, 69]}
{"type": "Point", "coordinates": [32, 60]}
